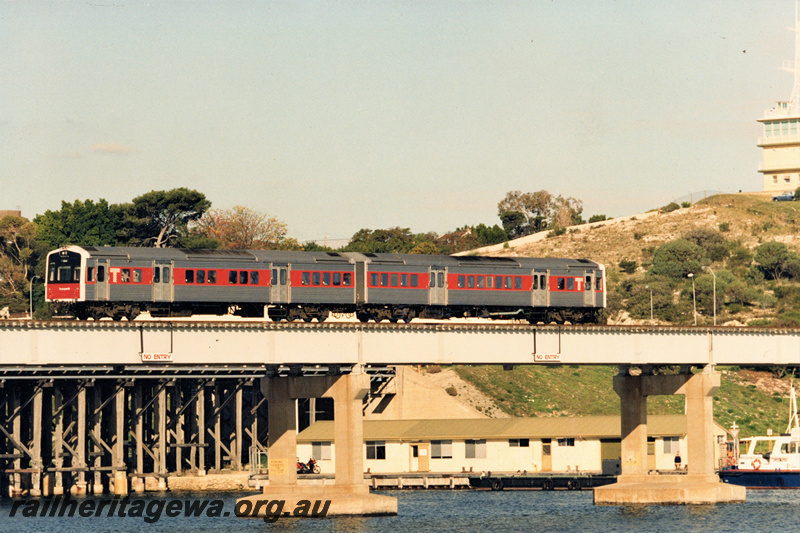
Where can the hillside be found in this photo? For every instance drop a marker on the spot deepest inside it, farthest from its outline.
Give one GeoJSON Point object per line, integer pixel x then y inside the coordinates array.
{"type": "Point", "coordinates": [754, 398]}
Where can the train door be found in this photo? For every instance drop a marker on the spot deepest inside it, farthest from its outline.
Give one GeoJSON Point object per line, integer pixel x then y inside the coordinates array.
{"type": "Point", "coordinates": [437, 287]}
{"type": "Point", "coordinates": [541, 295]}
{"type": "Point", "coordinates": [162, 282]}
{"type": "Point", "coordinates": [101, 285]}
{"type": "Point", "coordinates": [280, 284]}
{"type": "Point", "coordinates": [588, 289]}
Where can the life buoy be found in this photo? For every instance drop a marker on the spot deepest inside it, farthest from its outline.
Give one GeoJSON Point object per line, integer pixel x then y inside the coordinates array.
{"type": "Point", "coordinates": [574, 484]}
{"type": "Point", "coordinates": [497, 484]}
{"type": "Point", "coordinates": [756, 464]}
{"type": "Point", "coordinates": [548, 484]}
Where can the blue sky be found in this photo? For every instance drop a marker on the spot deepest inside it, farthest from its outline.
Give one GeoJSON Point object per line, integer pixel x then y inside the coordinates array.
{"type": "Point", "coordinates": [337, 116]}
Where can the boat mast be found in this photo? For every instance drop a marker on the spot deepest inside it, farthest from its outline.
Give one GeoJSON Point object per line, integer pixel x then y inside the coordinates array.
{"type": "Point", "coordinates": [793, 413]}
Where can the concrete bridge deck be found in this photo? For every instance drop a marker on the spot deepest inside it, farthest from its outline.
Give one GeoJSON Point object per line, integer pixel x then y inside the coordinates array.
{"type": "Point", "coordinates": [47, 343]}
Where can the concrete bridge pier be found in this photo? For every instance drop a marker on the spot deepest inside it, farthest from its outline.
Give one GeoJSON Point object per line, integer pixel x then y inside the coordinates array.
{"type": "Point", "coordinates": [700, 484]}
{"type": "Point", "coordinates": [350, 493]}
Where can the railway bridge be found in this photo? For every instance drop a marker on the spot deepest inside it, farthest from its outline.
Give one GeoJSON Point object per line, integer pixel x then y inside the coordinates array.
{"type": "Point", "coordinates": [83, 401]}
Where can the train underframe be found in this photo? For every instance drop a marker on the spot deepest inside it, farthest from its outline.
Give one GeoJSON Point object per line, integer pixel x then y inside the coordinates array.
{"type": "Point", "coordinates": [308, 313]}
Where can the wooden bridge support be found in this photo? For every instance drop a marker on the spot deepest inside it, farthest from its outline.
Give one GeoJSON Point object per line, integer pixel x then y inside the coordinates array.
{"type": "Point", "coordinates": [637, 485]}
{"type": "Point", "coordinates": [92, 435]}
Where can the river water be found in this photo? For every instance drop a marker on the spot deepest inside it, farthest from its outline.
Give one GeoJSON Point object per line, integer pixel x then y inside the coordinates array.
{"type": "Point", "coordinates": [435, 510]}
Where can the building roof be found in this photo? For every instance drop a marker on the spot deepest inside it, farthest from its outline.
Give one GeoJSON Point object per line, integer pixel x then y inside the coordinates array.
{"type": "Point", "coordinates": [598, 427]}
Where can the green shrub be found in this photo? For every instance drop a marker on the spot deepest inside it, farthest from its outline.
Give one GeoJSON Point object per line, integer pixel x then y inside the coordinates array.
{"type": "Point", "coordinates": [629, 267]}
{"type": "Point", "coordinates": [724, 227]}
{"type": "Point", "coordinates": [670, 207]}
{"type": "Point", "coordinates": [451, 391]}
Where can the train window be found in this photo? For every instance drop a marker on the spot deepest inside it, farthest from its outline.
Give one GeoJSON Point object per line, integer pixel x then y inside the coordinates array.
{"type": "Point", "coordinates": [326, 278]}
{"type": "Point", "coordinates": [508, 282]}
{"type": "Point", "coordinates": [440, 279]}
{"type": "Point", "coordinates": [101, 274]}
{"type": "Point", "coordinates": [164, 275]}
{"type": "Point", "coordinates": [232, 277]}
{"type": "Point", "coordinates": [535, 283]}
{"type": "Point", "coordinates": [137, 275]}
{"type": "Point", "coordinates": [480, 282]}
{"type": "Point", "coordinates": [315, 278]}
{"type": "Point", "coordinates": [201, 276]}
{"type": "Point", "coordinates": [394, 280]}
{"type": "Point", "coordinates": [560, 283]}
{"type": "Point", "coordinates": [461, 282]}
{"type": "Point", "coordinates": [598, 281]}
{"type": "Point", "coordinates": [404, 280]}
{"type": "Point", "coordinates": [542, 282]}
{"type": "Point", "coordinates": [588, 285]}
{"type": "Point", "coordinates": [274, 279]}
{"type": "Point", "coordinates": [570, 284]}
{"type": "Point", "coordinates": [432, 280]}
{"type": "Point", "coordinates": [517, 282]}
{"type": "Point", "coordinates": [414, 280]}
{"type": "Point", "coordinates": [76, 274]}
{"type": "Point", "coordinates": [189, 276]}
{"type": "Point", "coordinates": [498, 282]}
{"type": "Point", "coordinates": [254, 277]}
{"type": "Point", "coordinates": [347, 279]}
{"type": "Point", "coordinates": [373, 280]}
{"type": "Point", "coordinates": [283, 276]}
{"type": "Point", "coordinates": [384, 280]}
{"type": "Point", "coordinates": [489, 282]}
{"type": "Point", "coordinates": [90, 274]}
{"type": "Point", "coordinates": [243, 277]}
{"type": "Point", "coordinates": [212, 277]}
{"type": "Point", "coordinates": [337, 279]}
{"type": "Point", "coordinates": [126, 275]}
{"type": "Point", "coordinates": [156, 275]}
{"type": "Point", "coordinates": [470, 282]}
{"type": "Point", "coordinates": [305, 278]}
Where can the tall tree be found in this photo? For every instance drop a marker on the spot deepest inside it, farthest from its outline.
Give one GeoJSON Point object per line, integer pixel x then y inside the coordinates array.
{"type": "Point", "coordinates": [243, 228]}
{"type": "Point", "coordinates": [159, 218]}
{"type": "Point", "coordinates": [85, 223]}
{"type": "Point", "coordinates": [534, 206]}
{"type": "Point", "coordinates": [17, 258]}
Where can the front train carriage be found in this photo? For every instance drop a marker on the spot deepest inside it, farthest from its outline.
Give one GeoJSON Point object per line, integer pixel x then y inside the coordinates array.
{"type": "Point", "coordinates": [64, 286]}
{"type": "Point", "coordinates": [309, 285]}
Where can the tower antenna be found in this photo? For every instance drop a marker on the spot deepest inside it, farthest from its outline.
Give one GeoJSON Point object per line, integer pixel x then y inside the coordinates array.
{"type": "Point", "coordinates": [794, 101]}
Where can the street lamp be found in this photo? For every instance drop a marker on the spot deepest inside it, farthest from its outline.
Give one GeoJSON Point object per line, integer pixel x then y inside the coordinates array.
{"type": "Point", "coordinates": [30, 294]}
{"type": "Point", "coordinates": [715, 292]}
{"type": "Point", "coordinates": [694, 297]}
{"type": "Point", "coordinates": [651, 301]}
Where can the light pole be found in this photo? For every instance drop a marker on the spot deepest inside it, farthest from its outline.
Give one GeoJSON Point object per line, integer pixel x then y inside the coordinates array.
{"type": "Point", "coordinates": [651, 301]}
{"type": "Point", "coordinates": [30, 294]}
{"type": "Point", "coordinates": [715, 292]}
{"type": "Point", "coordinates": [694, 297]}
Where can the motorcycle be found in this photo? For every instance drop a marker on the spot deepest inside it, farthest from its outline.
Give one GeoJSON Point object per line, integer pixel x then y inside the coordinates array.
{"type": "Point", "coordinates": [308, 468]}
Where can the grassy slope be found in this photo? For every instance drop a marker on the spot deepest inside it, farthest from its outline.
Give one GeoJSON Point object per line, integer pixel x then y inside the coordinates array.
{"type": "Point", "coordinates": [573, 390]}
{"type": "Point", "coordinates": [586, 390]}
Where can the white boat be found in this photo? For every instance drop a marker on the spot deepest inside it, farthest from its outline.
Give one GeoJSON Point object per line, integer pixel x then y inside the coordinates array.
{"type": "Point", "coordinates": [772, 461]}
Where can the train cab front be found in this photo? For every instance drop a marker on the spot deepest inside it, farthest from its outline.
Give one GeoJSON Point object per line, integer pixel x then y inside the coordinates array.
{"type": "Point", "coordinates": [64, 284]}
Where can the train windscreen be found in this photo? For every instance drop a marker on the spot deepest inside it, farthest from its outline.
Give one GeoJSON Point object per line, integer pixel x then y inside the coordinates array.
{"type": "Point", "coordinates": [64, 267]}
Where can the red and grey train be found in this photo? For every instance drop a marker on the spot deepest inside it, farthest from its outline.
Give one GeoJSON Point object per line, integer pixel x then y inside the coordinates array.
{"type": "Point", "coordinates": [116, 282]}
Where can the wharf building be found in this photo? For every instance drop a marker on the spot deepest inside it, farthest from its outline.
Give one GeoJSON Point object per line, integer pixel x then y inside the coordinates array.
{"type": "Point", "coordinates": [780, 137]}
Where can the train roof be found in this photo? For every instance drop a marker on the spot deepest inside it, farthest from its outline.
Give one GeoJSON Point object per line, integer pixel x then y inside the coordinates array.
{"type": "Point", "coordinates": [281, 256]}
